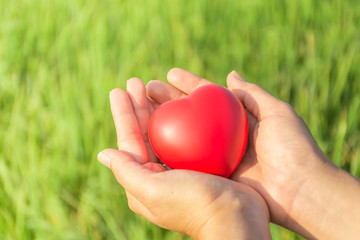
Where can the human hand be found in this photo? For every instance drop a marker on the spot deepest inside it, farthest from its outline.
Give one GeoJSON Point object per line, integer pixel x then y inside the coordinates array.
{"type": "Point", "coordinates": [283, 162]}
{"type": "Point", "coordinates": [198, 204]}
{"type": "Point", "coordinates": [131, 112]}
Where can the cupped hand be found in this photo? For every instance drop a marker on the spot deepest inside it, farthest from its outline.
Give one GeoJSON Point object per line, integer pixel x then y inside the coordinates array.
{"type": "Point", "coordinates": [282, 156]}
{"type": "Point", "coordinates": [198, 204]}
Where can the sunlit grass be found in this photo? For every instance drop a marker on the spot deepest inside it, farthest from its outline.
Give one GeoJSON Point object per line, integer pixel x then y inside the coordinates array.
{"type": "Point", "coordinates": [59, 59]}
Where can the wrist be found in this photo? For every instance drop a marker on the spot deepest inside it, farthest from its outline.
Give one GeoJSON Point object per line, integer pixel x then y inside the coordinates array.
{"type": "Point", "coordinates": [326, 206]}
{"type": "Point", "coordinates": [240, 218]}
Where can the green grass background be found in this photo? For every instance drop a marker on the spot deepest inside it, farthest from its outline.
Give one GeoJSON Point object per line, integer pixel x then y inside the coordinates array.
{"type": "Point", "coordinates": [59, 59]}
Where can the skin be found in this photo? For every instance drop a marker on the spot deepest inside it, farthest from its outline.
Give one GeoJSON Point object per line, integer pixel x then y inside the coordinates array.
{"type": "Point", "coordinates": [200, 205]}
{"type": "Point", "coordinates": [302, 189]}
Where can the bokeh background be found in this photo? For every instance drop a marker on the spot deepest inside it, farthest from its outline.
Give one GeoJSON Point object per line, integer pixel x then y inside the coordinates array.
{"type": "Point", "coordinates": [59, 59]}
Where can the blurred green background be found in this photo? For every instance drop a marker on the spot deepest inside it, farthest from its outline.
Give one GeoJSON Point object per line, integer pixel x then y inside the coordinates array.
{"type": "Point", "coordinates": [59, 59]}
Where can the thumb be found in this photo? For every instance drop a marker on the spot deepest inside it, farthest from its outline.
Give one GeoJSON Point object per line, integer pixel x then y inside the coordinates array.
{"type": "Point", "coordinates": [255, 99]}
{"type": "Point", "coordinates": [133, 176]}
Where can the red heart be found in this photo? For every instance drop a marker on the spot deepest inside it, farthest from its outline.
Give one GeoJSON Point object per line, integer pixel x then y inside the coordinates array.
{"type": "Point", "coordinates": [206, 131]}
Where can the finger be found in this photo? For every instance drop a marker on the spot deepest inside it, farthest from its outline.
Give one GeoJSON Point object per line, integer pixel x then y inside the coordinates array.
{"type": "Point", "coordinates": [162, 92]}
{"type": "Point", "coordinates": [133, 176]}
{"type": "Point", "coordinates": [140, 103]}
{"type": "Point", "coordinates": [129, 136]}
{"type": "Point", "coordinates": [152, 105]}
{"type": "Point", "coordinates": [255, 99]}
{"type": "Point", "coordinates": [252, 124]}
{"type": "Point", "coordinates": [128, 173]}
{"type": "Point", "coordinates": [185, 80]}
{"type": "Point", "coordinates": [137, 93]}
{"type": "Point", "coordinates": [247, 167]}
{"type": "Point", "coordinates": [249, 159]}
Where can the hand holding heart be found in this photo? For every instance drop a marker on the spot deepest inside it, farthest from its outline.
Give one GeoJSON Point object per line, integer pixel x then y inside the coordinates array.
{"type": "Point", "coordinates": [201, 205]}
{"type": "Point", "coordinates": [282, 163]}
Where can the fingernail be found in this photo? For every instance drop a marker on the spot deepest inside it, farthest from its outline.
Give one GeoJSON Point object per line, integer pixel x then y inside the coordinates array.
{"type": "Point", "coordinates": [236, 75]}
{"type": "Point", "coordinates": [149, 83]}
{"type": "Point", "coordinates": [133, 79]}
{"type": "Point", "coordinates": [104, 159]}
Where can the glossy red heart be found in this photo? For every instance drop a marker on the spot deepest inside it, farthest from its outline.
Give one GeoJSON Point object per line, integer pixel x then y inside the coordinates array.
{"type": "Point", "coordinates": [206, 131]}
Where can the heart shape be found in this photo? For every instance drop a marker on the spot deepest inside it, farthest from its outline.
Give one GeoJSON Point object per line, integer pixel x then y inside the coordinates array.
{"type": "Point", "coordinates": [206, 131]}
